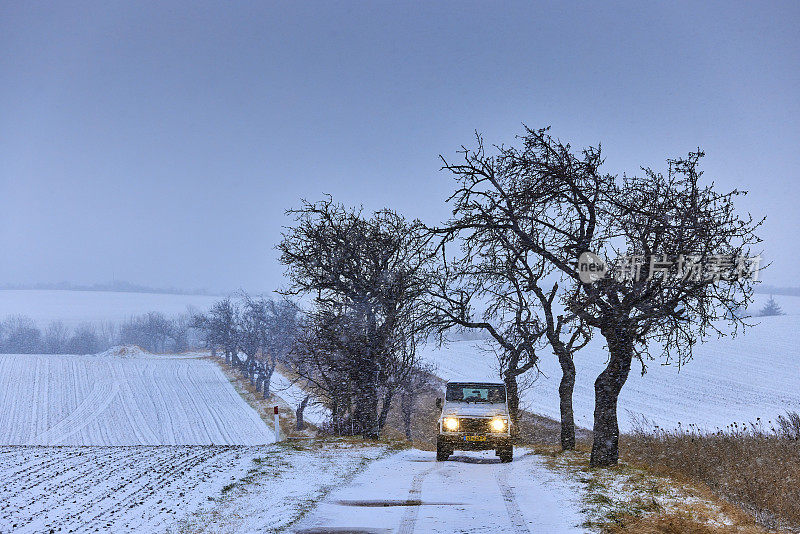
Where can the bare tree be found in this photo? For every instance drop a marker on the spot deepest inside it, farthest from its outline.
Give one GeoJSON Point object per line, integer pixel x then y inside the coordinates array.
{"type": "Point", "coordinates": [251, 332]}
{"type": "Point", "coordinates": [55, 340]}
{"type": "Point", "coordinates": [323, 369]}
{"type": "Point", "coordinates": [417, 381]}
{"type": "Point", "coordinates": [367, 277]}
{"type": "Point", "coordinates": [218, 329]}
{"type": "Point", "coordinates": [180, 329]}
{"type": "Point", "coordinates": [266, 331]}
{"type": "Point", "coordinates": [281, 334]}
{"type": "Point", "coordinates": [84, 340]}
{"type": "Point", "coordinates": [550, 203]}
{"type": "Point", "coordinates": [150, 331]}
{"type": "Point", "coordinates": [20, 335]}
{"type": "Point", "coordinates": [671, 219]}
{"type": "Point", "coordinates": [107, 334]}
{"type": "Point", "coordinates": [508, 229]}
{"type": "Point", "coordinates": [509, 315]}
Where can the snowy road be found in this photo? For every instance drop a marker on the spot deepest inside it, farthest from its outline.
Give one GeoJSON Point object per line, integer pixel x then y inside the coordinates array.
{"type": "Point", "coordinates": [472, 492]}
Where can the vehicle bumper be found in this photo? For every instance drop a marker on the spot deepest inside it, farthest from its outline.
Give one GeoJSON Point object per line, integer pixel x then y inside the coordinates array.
{"type": "Point", "coordinates": [458, 442]}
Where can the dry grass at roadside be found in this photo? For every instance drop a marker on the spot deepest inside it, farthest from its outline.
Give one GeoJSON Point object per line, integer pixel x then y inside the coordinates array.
{"type": "Point", "coordinates": [631, 500]}
{"type": "Point", "coordinates": [754, 466]}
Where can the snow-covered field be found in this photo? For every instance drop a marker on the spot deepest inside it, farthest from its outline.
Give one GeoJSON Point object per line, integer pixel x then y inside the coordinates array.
{"type": "Point", "coordinates": [124, 489]}
{"type": "Point", "coordinates": [122, 398]}
{"type": "Point", "coordinates": [76, 307]}
{"type": "Point", "coordinates": [168, 488]}
{"type": "Point", "coordinates": [755, 375]}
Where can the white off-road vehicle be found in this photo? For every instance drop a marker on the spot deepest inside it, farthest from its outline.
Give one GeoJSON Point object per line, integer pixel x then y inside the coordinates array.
{"type": "Point", "coordinates": [474, 418]}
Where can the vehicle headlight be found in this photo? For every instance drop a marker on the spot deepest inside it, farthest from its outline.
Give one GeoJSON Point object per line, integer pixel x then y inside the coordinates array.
{"type": "Point", "coordinates": [498, 425]}
{"type": "Point", "coordinates": [450, 424]}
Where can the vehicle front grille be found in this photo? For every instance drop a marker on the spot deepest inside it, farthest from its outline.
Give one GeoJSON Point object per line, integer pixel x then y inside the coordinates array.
{"type": "Point", "coordinates": [472, 424]}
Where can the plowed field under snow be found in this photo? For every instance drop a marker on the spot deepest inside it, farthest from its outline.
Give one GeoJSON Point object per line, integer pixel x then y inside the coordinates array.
{"type": "Point", "coordinates": [122, 399]}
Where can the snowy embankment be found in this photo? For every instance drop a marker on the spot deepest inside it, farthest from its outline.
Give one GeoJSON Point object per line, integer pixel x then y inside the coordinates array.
{"type": "Point", "coordinates": [122, 397]}
{"type": "Point", "coordinates": [293, 395]}
{"type": "Point", "coordinates": [76, 307]}
{"type": "Point", "coordinates": [754, 375]}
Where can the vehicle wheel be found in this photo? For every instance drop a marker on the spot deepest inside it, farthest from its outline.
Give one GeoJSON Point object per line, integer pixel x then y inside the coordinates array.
{"type": "Point", "coordinates": [442, 453]}
{"type": "Point", "coordinates": [506, 455]}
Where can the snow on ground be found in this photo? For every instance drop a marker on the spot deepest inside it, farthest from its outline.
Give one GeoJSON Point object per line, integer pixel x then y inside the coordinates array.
{"type": "Point", "coordinates": [301, 487]}
{"type": "Point", "coordinates": [170, 488]}
{"type": "Point", "coordinates": [112, 489]}
{"type": "Point", "coordinates": [283, 485]}
{"type": "Point", "coordinates": [410, 491]}
{"type": "Point", "coordinates": [122, 399]}
{"type": "Point", "coordinates": [755, 375]}
{"type": "Point", "coordinates": [76, 307]}
{"type": "Point", "coordinates": [315, 413]}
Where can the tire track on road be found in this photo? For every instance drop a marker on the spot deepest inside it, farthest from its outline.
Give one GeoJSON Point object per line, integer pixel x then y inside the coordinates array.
{"type": "Point", "coordinates": [515, 515]}
{"type": "Point", "coordinates": [409, 519]}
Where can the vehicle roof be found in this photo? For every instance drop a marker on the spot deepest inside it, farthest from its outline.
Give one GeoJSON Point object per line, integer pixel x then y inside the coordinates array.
{"type": "Point", "coordinates": [487, 382]}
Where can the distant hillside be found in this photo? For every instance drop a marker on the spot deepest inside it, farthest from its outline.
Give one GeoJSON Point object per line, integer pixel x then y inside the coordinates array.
{"type": "Point", "coordinates": [76, 307]}
{"type": "Point", "coordinates": [777, 290]}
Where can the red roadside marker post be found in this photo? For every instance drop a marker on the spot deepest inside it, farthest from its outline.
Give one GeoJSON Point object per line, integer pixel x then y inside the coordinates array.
{"type": "Point", "coordinates": [277, 426]}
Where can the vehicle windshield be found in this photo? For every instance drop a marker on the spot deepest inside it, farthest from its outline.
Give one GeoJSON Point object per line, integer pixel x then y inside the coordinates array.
{"type": "Point", "coordinates": [490, 393]}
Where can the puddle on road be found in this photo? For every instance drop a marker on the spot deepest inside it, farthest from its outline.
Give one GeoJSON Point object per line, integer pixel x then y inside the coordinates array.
{"type": "Point", "coordinates": [474, 460]}
{"type": "Point", "coordinates": [399, 502]}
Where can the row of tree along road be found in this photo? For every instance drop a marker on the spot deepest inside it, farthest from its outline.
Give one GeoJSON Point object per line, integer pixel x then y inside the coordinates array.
{"type": "Point", "coordinates": [376, 285]}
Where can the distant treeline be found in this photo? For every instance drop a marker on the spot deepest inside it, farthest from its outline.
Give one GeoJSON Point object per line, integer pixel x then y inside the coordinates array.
{"type": "Point", "coordinates": [116, 286]}
{"type": "Point", "coordinates": [152, 331]}
{"type": "Point", "coordinates": [777, 290]}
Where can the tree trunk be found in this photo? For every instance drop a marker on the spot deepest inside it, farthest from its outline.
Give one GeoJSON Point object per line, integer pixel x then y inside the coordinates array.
{"type": "Point", "coordinates": [301, 424]}
{"type": "Point", "coordinates": [407, 408]}
{"type": "Point", "coordinates": [605, 444]}
{"type": "Point", "coordinates": [335, 417]}
{"type": "Point", "coordinates": [370, 426]}
{"type": "Point", "coordinates": [369, 421]}
{"type": "Point", "coordinates": [267, 379]}
{"type": "Point", "coordinates": [512, 393]}
{"type": "Point", "coordinates": [565, 389]}
{"type": "Point", "coordinates": [236, 363]}
{"type": "Point", "coordinates": [366, 411]}
{"type": "Point", "coordinates": [387, 404]}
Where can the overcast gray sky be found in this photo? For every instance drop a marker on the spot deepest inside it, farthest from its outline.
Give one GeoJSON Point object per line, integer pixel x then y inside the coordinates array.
{"type": "Point", "coordinates": [161, 142]}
